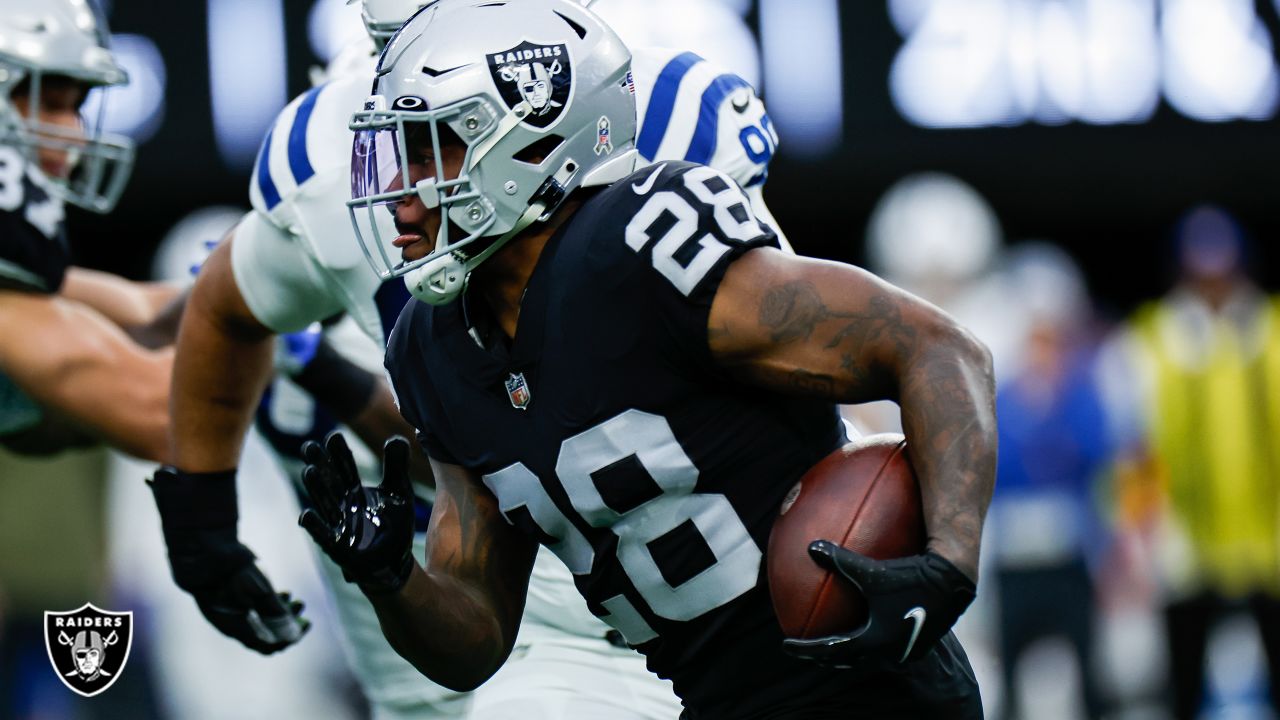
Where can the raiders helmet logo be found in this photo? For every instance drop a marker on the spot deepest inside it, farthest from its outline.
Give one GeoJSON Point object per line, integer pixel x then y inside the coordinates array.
{"type": "Point", "coordinates": [88, 647]}
{"type": "Point", "coordinates": [541, 75]}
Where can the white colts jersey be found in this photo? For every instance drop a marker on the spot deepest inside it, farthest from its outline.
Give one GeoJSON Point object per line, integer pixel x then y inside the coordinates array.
{"type": "Point", "coordinates": [690, 109]}
{"type": "Point", "coordinates": [296, 261]}
{"type": "Point", "coordinates": [295, 257]}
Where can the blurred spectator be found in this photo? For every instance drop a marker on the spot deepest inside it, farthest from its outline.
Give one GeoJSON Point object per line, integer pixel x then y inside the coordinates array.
{"type": "Point", "coordinates": [1044, 533]}
{"type": "Point", "coordinates": [934, 235]}
{"type": "Point", "coordinates": [1196, 376]}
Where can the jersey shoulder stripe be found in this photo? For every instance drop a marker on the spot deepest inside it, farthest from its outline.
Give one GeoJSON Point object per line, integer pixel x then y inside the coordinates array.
{"type": "Point", "coordinates": [262, 181]}
{"type": "Point", "coordinates": [309, 137]}
{"type": "Point", "coordinates": [662, 103]}
{"type": "Point", "coordinates": [299, 163]}
{"type": "Point", "coordinates": [703, 146]}
{"type": "Point", "coordinates": [282, 150]}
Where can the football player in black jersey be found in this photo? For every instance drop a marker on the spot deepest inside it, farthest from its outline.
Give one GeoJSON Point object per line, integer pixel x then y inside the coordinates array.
{"type": "Point", "coordinates": [77, 363]}
{"type": "Point", "coordinates": [624, 367]}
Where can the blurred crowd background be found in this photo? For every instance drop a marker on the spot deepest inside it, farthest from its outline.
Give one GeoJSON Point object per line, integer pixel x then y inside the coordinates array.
{"type": "Point", "coordinates": [1090, 185]}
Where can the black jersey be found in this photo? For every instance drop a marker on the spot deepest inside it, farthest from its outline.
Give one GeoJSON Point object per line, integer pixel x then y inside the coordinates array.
{"type": "Point", "coordinates": [33, 250]}
{"type": "Point", "coordinates": [607, 432]}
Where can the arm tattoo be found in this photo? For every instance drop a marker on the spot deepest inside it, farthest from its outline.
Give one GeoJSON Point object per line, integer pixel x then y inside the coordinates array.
{"type": "Point", "coordinates": [884, 319]}
{"type": "Point", "coordinates": [948, 410]}
{"type": "Point", "coordinates": [793, 311]}
{"type": "Point", "coordinates": [942, 381]}
{"type": "Point", "coordinates": [812, 383]}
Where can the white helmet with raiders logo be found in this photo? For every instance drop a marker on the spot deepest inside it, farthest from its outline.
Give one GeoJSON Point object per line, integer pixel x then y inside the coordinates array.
{"type": "Point", "coordinates": [539, 92]}
{"type": "Point", "coordinates": [40, 39]}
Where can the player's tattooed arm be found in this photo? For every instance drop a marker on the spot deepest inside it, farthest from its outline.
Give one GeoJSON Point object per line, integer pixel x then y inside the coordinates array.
{"type": "Point", "coordinates": [456, 619]}
{"type": "Point", "coordinates": [834, 331]}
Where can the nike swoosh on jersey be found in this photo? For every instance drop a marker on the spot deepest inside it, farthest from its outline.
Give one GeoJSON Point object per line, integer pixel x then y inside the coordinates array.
{"type": "Point", "coordinates": [746, 102]}
{"type": "Point", "coordinates": [917, 616]}
{"type": "Point", "coordinates": [643, 188]}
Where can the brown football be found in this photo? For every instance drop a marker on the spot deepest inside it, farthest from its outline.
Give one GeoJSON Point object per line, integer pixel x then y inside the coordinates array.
{"type": "Point", "coordinates": [863, 496]}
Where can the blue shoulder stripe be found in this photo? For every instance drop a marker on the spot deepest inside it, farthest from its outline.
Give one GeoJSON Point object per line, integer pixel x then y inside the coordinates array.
{"type": "Point", "coordinates": [266, 185]}
{"type": "Point", "coordinates": [703, 145]}
{"type": "Point", "coordinates": [299, 163]}
{"type": "Point", "coordinates": [663, 100]}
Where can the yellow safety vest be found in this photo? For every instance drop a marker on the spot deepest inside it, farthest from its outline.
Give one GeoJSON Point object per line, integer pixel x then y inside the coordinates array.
{"type": "Point", "coordinates": [1215, 434]}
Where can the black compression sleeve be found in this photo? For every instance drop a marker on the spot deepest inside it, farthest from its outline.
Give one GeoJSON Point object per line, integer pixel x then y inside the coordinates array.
{"type": "Point", "coordinates": [338, 384]}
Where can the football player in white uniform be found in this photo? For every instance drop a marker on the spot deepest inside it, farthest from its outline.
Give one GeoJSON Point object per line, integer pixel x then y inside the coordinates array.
{"type": "Point", "coordinates": [294, 261]}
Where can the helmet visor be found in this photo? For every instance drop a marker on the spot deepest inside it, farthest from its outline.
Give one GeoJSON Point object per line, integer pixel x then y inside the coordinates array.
{"type": "Point", "coordinates": [395, 157]}
{"type": "Point", "coordinates": [375, 164]}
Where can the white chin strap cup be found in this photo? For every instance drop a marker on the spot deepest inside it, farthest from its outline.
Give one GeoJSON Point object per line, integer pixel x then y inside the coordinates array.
{"type": "Point", "coordinates": [427, 192]}
{"type": "Point", "coordinates": [438, 281]}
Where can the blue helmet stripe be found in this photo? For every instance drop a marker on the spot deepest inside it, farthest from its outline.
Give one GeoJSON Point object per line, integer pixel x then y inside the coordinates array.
{"type": "Point", "coordinates": [299, 163]}
{"type": "Point", "coordinates": [703, 145]}
{"type": "Point", "coordinates": [657, 116]}
{"type": "Point", "coordinates": [270, 195]}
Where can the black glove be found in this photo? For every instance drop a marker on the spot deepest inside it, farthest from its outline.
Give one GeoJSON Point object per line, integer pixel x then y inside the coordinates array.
{"type": "Point", "coordinates": [198, 513]}
{"type": "Point", "coordinates": [912, 603]}
{"type": "Point", "coordinates": [367, 531]}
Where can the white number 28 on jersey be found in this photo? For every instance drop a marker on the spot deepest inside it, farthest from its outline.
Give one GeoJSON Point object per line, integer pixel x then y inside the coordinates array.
{"type": "Point", "coordinates": [647, 439]}
{"type": "Point", "coordinates": [733, 217]}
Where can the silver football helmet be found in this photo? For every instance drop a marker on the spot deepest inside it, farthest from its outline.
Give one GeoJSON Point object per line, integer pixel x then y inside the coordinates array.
{"type": "Point", "coordinates": [540, 93]}
{"type": "Point", "coordinates": [43, 38]}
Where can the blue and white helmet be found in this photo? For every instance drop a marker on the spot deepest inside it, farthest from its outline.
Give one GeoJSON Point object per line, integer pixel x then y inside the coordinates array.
{"type": "Point", "coordinates": [540, 93]}
{"type": "Point", "coordinates": [42, 38]}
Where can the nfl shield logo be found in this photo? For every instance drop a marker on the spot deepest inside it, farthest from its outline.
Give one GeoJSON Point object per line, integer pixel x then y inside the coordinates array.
{"type": "Point", "coordinates": [88, 647]}
{"type": "Point", "coordinates": [518, 391]}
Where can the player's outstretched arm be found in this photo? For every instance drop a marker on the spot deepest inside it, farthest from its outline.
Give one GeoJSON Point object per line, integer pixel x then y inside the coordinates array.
{"type": "Point", "coordinates": [78, 365]}
{"type": "Point", "coordinates": [456, 619]}
{"type": "Point", "coordinates": [147, 311]}
{"type": "Point", "coordinates": [835, 331]}
{"type": "Point", "coordinates": [223, 361]}
{"type": "Point", "coordinates": [222, 364]}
